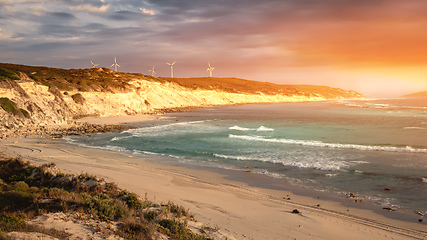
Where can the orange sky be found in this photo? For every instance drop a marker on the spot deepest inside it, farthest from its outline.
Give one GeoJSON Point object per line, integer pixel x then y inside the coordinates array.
{"type": "Point", "coordinates": [376, 47]}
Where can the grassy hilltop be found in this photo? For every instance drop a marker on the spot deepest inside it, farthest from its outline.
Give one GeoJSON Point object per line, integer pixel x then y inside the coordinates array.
{"type": "Point", "coordinates": [106, 80]}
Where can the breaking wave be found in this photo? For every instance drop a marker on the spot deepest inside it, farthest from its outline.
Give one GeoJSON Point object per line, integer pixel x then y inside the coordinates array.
{"type": "Point", "coordinates": [314, 143]}
{"type": "Point", "coordinates": [259, 129]}
{"type": "Point", "coordinates": [313, 163]}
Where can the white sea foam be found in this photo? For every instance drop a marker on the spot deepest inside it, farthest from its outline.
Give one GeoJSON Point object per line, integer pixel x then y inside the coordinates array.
{"type": "Point", "coordinates": [244, 129]}
{"type": "Point", "coordinates": [119, 138]}
{"type": "Point", "coordinates": [264, 129]}
{"type": "Point", "coordinates": [419, 128]}
{"type": "Point", "coordinates": [315, 143]}
{"type": "Point", "coordinates": [424, 180]}
{"type": "Point", "coordinates": [241, 128]}
{"type": "Point", "coordinates": [168, 129]}
{"type": "Point", "coordinates": [307, 162]}
{"type": "Point", "coordinates": [331, 175]}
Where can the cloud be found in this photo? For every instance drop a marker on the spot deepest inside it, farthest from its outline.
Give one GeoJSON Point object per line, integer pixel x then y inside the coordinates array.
{"type": "Point", "coordinates": [38, 10]}
{"type": "Point", "coordinates": [89, 8]}
{"type": "Point", "coordinates": [125, 16]}
{"type": "Point", "coordinates": [147, 11]}
{"type": "Point", "coordinates": [47, 46]}
{"type": "Point", "coordinates": [62, 15]}
{"type": "Point", "coordinates": [59, 31]}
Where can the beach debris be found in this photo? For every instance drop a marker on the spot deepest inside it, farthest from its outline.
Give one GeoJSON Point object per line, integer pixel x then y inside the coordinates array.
{"type": "Point", "coordinates": [318, 205]}
{"type": "Point", "coordinates": [350, 195]}
{"type": "Point", "coordinates": [387, 189]}
{"type": "Point", "coordinates": [420, 220]}
{"type": "Point", "coordinates": [248, 171]}
{"type": "Point", "coordinates": [389, 208]}
{"type": "Point", "coordinates": [296, 211]}
{"type": "Point", "coordinates": [287, 198]}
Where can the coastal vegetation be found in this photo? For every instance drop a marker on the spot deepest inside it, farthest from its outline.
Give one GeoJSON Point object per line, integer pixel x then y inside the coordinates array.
{"type": "Point", "coordinates": [10, 107]}
{"type": "Point", "coordinates": [27, 191]}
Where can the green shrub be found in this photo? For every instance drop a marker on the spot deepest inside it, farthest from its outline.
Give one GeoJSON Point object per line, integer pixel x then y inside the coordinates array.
{"type": "Point", "coordinates": [15, 169]}
{"type": "Point", "coordinates": [132, 201]}
{"type": "Point", "coordinates": [151, 215]}
{"type": "Point", "coordinates": [15, 200]}
{"type": "Point", "coordinates": [21, 185]}
{"type": "Point", "coordinates": [10, 106]}
{"type": "Point", "coordinates": [104, 206]}
{"type": "Point", "coordinates": [78, 98]}
{"type": "Point", "coordinates": [24, 112]}
{"type": "Point", "coordinates": [12, 222]}
{"type": "Point", "coordinates": [8, 74]}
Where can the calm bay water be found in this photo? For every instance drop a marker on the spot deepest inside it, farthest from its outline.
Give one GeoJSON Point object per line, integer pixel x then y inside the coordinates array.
{"type": "Point", "coordinates": [358, 146]}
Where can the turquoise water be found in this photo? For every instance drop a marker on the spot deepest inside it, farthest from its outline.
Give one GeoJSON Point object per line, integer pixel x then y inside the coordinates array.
{"type": "Point", "coordinates": [360, 147]}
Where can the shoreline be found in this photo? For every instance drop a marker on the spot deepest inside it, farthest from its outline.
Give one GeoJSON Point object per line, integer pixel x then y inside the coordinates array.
{"type": "Point", "coordinates": [242, 210]}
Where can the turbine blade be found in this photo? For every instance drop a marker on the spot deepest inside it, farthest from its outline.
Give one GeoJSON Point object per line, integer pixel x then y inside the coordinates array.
{"type": "Point", "coordinates": [118, 65]}
{"type": "Point", "coordinates": [112, 65]}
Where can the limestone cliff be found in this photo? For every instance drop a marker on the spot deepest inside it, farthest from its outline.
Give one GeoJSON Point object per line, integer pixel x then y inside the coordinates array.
{"type": "Point", "coordinates": [45, 96]}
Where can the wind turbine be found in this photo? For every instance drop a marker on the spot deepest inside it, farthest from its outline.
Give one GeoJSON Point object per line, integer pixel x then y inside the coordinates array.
{"type": "Point", "coordinates": [210, 69]}
{"type": "Point", "coordinates": [152, 71]}
{"type": "Point", "coordinates": [94, 65]}
{"type": "Point", "coordinates": [115, 64]}
{"type": "Point", "coordinates": [171, 64]}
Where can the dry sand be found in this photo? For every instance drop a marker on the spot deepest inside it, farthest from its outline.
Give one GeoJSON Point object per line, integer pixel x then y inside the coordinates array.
{"type": "Point", "coordinates": [119, 119]}
{"type": "Point", "coordinates": [242, 211]}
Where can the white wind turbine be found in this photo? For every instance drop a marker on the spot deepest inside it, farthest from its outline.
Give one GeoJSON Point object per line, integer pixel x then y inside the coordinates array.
{"type": "Point", "coordinates": [152, 71]}
{"type": "Point", "coordinates": [210, 69]}
{"type": "Point", "coordinates": [115, 64]}
{"type": "Point", "coordinates": [94, 65]}
{"type": "Point", "coordinates": [171, 64]}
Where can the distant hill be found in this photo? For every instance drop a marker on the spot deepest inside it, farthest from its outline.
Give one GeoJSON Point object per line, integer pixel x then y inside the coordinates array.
{"type": "Point", "coordinates": [416, 95]}
{"type": "Point", "coordinates": [106, 80]}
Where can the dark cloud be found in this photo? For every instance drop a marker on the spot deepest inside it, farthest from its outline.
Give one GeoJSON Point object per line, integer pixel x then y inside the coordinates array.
{"type": "Point", "coordinates": [41, 47]}
{"type": "Point", "coordinates": [125, 16]}
{"type": "Point", "coordinates": [95, 26]}
{"type": "Point", "coordinates": [57, 30]}
{"type": "Point", "coordinates": [62, 15]}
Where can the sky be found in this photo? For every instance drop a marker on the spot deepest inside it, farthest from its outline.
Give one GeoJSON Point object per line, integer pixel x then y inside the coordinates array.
{"type": "Point", "coordinates": [375, 47]}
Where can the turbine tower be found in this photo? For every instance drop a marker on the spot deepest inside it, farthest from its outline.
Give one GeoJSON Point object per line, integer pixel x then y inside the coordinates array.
{"type": "Point", "coordinates": [115, 64]}
{"type": "Point", "coordinates": [171, 64]}
{"type": "Point", "coordinates": [210, 69]}
{"type": "Point", "coordinates": [152, 71]}
{"type": "Point", "coordinates": [94, 65]}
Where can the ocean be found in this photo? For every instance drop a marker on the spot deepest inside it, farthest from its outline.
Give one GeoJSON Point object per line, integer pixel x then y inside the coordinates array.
{"type": "Point", "coordinates": [375, 149]}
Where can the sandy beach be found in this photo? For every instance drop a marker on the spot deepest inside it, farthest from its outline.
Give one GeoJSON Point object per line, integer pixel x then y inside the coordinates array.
{"type": "Point", "coordinates": [239, 210]}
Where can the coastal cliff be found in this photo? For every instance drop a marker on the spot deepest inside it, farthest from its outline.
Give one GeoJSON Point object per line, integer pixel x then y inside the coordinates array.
{"type": "Point", "coordinates": [41, 96]}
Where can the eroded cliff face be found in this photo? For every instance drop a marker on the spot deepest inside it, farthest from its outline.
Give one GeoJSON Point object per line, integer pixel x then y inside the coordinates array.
{"type": "Point", "coordinates": [40, 105]}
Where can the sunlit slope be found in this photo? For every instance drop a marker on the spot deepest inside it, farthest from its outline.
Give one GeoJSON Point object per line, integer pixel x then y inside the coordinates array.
{"type": "Point", "coordinates": [106, 80]}
{"type": "Point", "coordinates": [416, 95]}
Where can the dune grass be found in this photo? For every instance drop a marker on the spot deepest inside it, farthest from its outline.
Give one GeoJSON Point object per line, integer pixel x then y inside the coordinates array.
{"type": "Point", "coordinates": [27, 191]}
